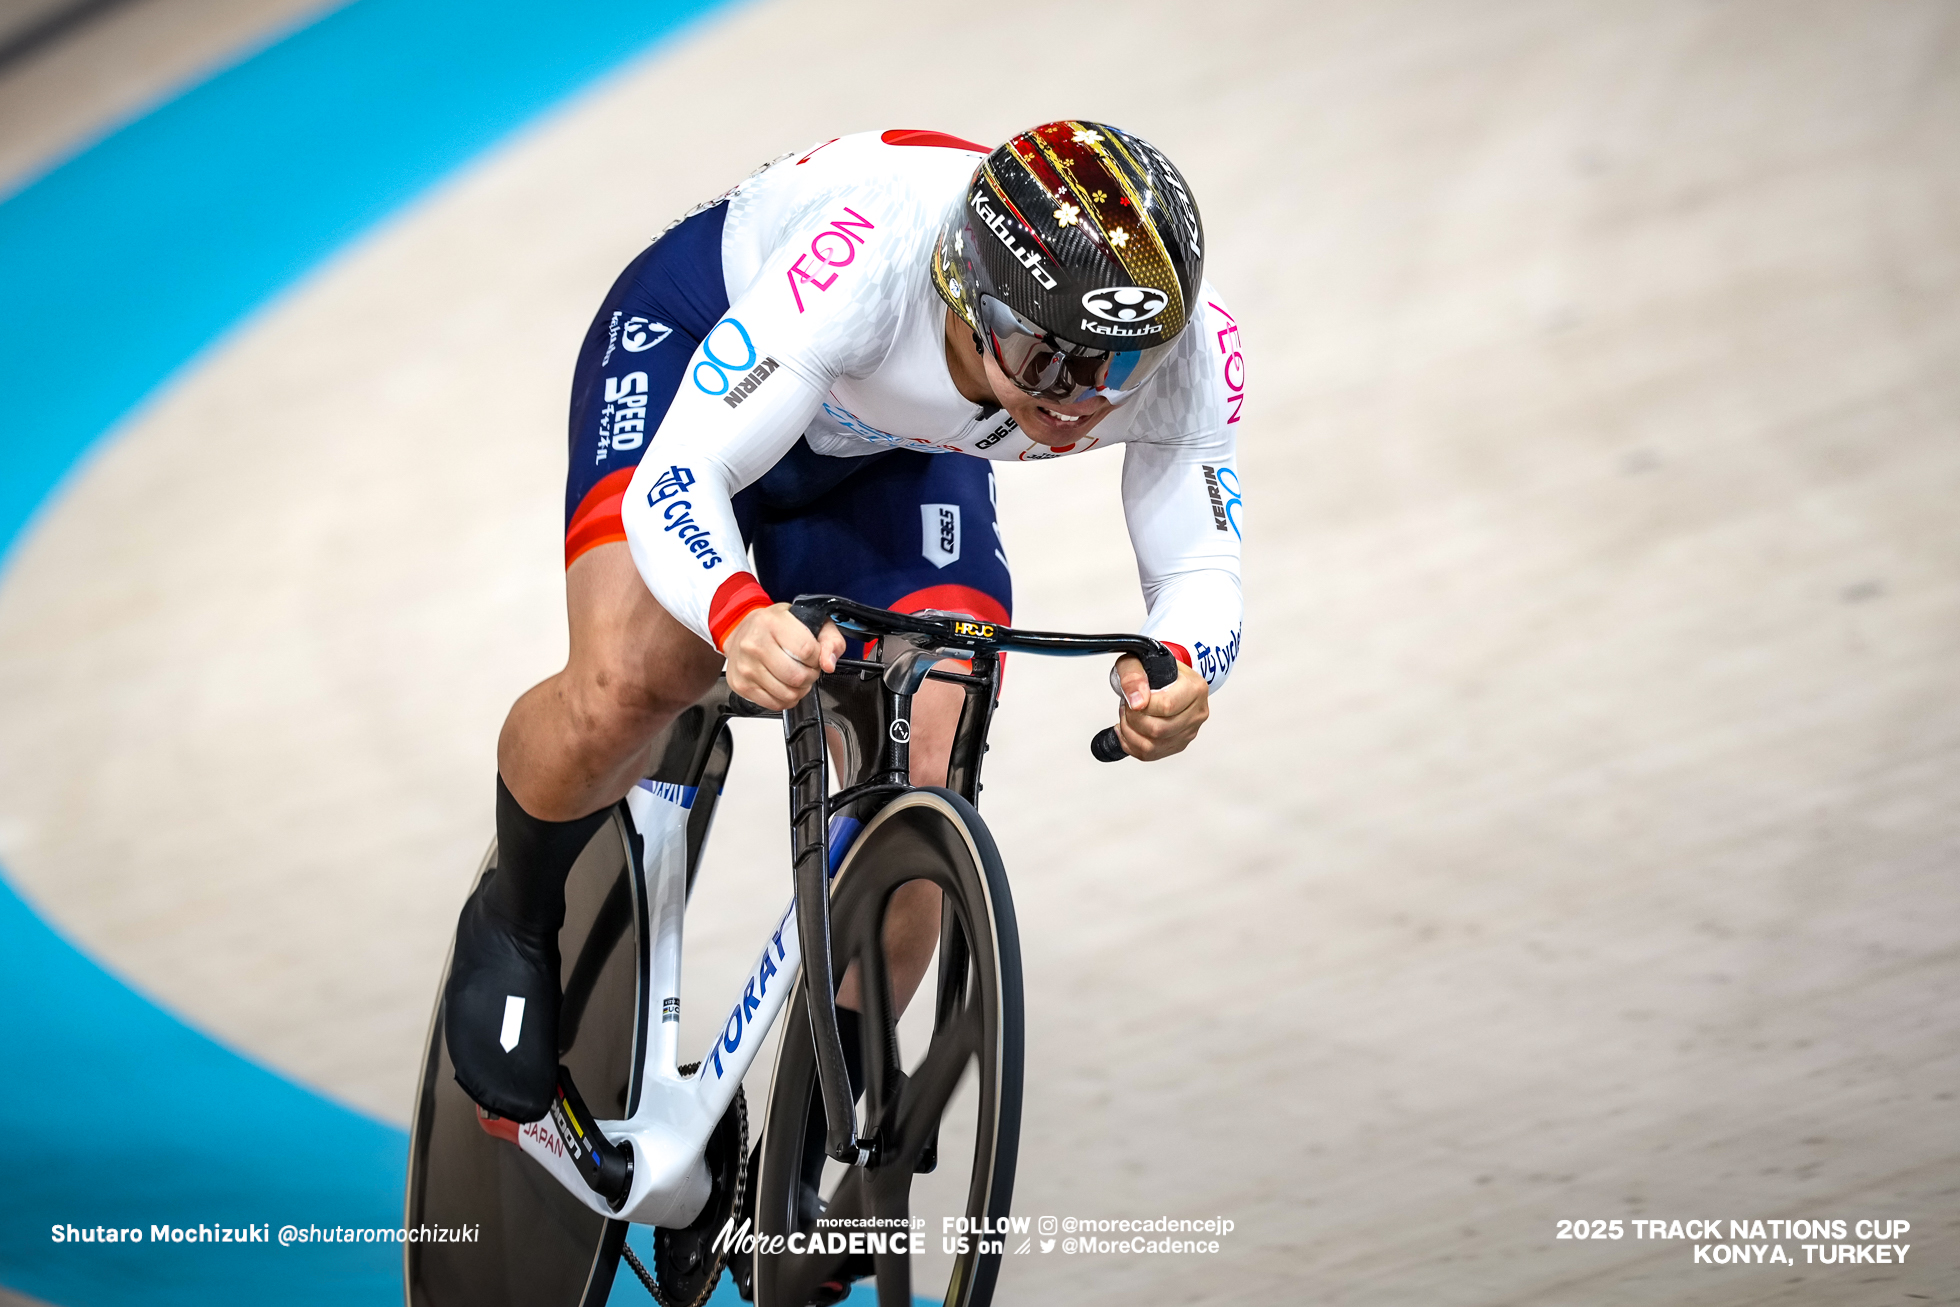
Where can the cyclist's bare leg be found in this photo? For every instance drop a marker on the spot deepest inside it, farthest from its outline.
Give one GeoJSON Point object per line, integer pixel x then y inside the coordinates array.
{"type": "Point", "coordinates": [577, 741]}
{"type": "Point", "coordinates": [570, 748]}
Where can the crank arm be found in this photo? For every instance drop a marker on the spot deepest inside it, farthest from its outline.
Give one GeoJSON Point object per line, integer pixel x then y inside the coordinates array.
{"type": "Point", "coordinates": [605, 1166]}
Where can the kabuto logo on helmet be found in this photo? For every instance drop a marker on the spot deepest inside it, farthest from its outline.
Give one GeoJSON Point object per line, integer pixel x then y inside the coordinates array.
{"type": "Point", "coordinates": [997, 224]}
{"type": "Point", "coordinates": [1125, 303]}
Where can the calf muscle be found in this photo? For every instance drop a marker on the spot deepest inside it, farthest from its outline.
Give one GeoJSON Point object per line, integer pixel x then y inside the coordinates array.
{"type": "Point", "coordinates": [577, 741]}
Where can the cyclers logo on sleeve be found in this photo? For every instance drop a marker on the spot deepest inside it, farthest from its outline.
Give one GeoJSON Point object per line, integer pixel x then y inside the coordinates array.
{"type": "Point", "coordinates": [1222, 484]}
{"type": "Point", "coordinates": [1212, 663]}
{"type": "Point", "coordinates": [665, 496]}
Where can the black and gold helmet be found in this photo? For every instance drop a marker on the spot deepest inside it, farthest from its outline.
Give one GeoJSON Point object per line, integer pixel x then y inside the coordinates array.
{"type": "Point", "coordinates": [1076, 255]}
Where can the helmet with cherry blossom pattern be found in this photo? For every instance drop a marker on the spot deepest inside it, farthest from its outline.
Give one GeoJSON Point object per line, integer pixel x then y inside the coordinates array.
{"type": "Point", "coordinates": [1075, 255]}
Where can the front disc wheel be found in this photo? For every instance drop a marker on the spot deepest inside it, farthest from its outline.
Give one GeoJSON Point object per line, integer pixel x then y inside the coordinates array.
{"type": "Point", "coordinates": [944, 1123]}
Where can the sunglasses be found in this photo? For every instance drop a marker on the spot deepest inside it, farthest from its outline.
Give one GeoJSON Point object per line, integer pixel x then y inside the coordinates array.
{"type": "Point", "coordinates": [1046, 367]}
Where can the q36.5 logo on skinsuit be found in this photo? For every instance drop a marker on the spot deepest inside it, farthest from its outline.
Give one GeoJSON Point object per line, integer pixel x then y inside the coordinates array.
{"type": "Point", "coordinates": [1125, 303]}
{"type": "Point", "coordinates": [939, 529]}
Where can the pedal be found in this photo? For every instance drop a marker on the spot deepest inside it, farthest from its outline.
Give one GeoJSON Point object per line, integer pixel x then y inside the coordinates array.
{"type": "Point", "coordinates": [497, 1127]}
{"type": "Point", "coordinates": [607, 1167]}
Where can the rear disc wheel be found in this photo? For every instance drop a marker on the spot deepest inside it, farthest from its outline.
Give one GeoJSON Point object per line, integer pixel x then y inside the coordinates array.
{"type": "Point", "coordinates": [535, 1244]}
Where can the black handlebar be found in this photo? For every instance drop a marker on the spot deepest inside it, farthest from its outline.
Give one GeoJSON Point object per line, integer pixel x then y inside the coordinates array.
{"type": "Point", "coordinates": [810, 610]}
{"type": "Point", "coordinates": [1108, 746]}
{"type": "Point", "coordinates": [863, 622]}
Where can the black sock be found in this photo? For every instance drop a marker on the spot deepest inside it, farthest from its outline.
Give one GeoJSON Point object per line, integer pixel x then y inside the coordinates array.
{"type": "Point", "coordinates": [533, 859]}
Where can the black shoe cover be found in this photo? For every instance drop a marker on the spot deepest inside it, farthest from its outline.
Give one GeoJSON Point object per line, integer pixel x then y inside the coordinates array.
{"type": "Point", "coordinates": [500, 1011]}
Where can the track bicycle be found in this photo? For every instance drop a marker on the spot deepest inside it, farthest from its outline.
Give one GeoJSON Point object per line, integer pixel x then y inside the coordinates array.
{"type": "Point", "coordinates": [635, 1136]}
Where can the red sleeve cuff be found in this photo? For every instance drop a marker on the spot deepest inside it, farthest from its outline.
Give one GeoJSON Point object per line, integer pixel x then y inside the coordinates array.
{"type": "Point", "coordinates": [1179, 652]}
{"type": "Point", "coordinates": [740, 595]}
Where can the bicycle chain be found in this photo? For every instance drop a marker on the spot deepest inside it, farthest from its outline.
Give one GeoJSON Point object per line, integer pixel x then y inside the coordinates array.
{"type": "Point", "coordinates": [741, 1183]}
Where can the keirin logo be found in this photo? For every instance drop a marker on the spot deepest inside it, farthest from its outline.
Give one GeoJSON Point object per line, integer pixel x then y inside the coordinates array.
{"type": "Point", "coordinates": [1126, 303]}
{"type": "Point", "coordinates": [1222, 485]}
{"type": "Point", "coordinates": [742, 389]}
{"type": "Point", "coordinates": [713, 365]}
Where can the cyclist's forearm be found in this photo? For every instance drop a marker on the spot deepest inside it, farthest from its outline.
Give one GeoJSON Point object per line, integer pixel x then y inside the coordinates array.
{"type": "Point", "coordinates": [1200, 615]}
{"type": "Point", "coordinates": [678, 511]}
{"type": "Point", "coordinates": [1183, 508]}
{"type": "Point", "coordinates": [680, 526]}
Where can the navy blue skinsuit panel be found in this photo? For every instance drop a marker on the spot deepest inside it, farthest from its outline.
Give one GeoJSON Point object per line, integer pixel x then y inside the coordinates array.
{"type": "Point", "coordinates": [881, 528]}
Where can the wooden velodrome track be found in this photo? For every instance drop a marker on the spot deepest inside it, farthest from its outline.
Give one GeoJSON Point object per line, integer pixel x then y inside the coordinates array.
{"type": "Point", "coordinates": [1577, 837]}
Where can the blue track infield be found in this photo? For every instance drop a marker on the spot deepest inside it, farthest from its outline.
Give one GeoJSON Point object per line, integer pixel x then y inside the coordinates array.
{"type": "Point", "coordinates": [117, 268]}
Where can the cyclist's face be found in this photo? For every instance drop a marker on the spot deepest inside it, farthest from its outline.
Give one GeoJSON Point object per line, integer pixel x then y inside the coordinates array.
{"type": "Point", "coordinates": [1047, 421]}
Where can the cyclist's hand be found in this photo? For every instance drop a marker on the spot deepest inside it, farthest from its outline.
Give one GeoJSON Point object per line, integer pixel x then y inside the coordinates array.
{"type": "Point", "coordinates": [1155, 724]}
{"type": "Point", "coordinates": [773, 659]}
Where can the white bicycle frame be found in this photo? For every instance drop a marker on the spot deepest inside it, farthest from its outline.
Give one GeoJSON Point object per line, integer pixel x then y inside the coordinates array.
{"type": "Point", "coordinates": [669, 1130]}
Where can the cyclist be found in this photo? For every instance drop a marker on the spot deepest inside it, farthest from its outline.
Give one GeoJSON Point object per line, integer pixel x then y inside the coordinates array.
{"type": "Point", "coordinates": [794, 367]}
